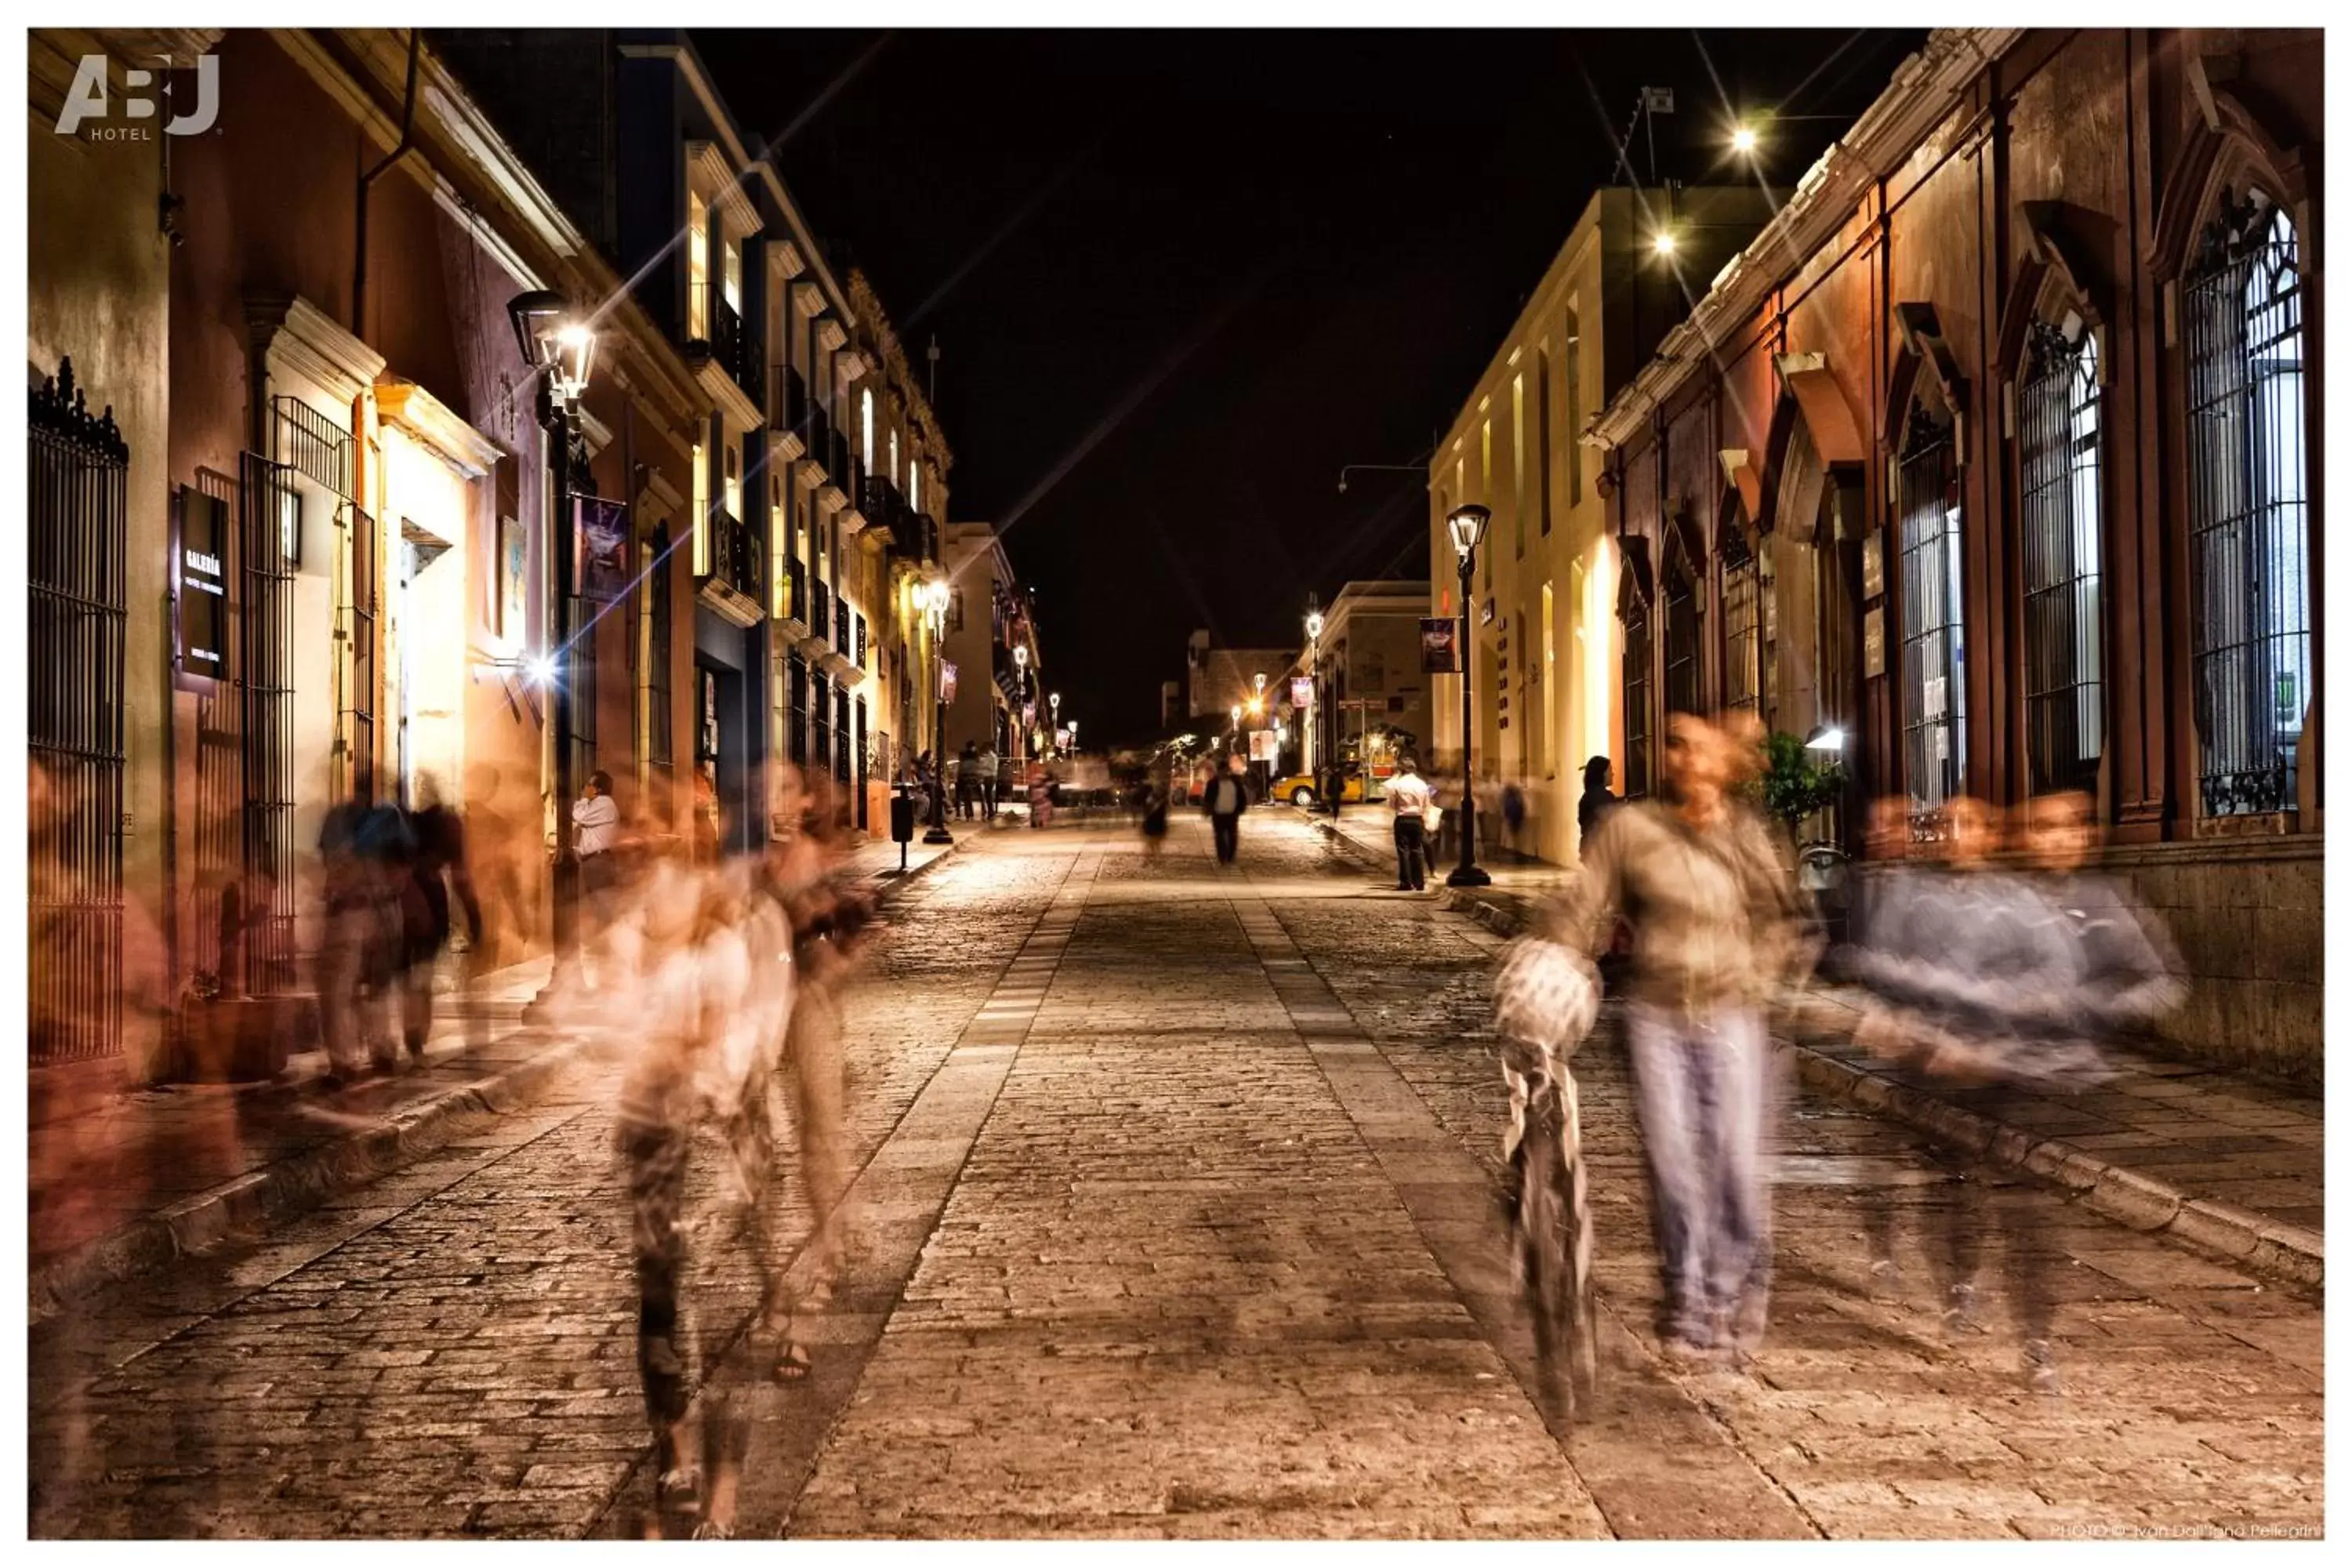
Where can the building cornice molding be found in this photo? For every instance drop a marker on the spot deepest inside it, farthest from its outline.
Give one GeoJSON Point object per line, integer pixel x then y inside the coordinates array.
{"type": "Point", "coordinates": [720, 186]}
{"type": "Point", "coordinates": [401, 402]}
{"type": "Point", "coordinates": [1927, 88]}
{"type": "Point", "coordinates": [297, 334]}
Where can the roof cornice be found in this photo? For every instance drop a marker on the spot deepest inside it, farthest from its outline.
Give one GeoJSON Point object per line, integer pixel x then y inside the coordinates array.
{"type": "Point", "coordinates": [1926, 87]}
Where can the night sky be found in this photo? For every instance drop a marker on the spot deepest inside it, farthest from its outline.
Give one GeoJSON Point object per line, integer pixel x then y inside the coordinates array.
{"type": "Point", "coordinates": [1179, 278]}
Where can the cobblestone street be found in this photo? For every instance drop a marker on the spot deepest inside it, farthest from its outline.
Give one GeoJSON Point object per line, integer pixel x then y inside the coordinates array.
{"type": "Point", "coordinates": [1174, 1215]}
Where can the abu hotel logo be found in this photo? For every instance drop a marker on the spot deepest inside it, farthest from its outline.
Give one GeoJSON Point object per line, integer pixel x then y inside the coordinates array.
{"type": "Point", "coordinates": [91, 114]}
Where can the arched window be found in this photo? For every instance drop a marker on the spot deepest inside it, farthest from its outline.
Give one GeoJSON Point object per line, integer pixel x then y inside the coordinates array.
{"type": "Point", "coordinates": [1634, 611]}
{"type": "Point", "coordinates": [1681, 636]}
{"type": "Point", "coordinates": [2059, 461]}
{"type": "Point", "coordinates": [1935, 728]}
{"type": "Point", "coordinates": [2241, 305]}
{"type": "Point", "coordinates": [866, 413]}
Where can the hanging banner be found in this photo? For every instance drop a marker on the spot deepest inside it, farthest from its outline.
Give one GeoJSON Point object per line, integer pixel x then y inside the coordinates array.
{"type": "Point", "coordinates": [1302, 693]}
{"type": "Point", "coordinates": [514, 580]}
{"type": "Point", "coordinates": [1264, 747]}
{"type": "Point", "coordinates": [947, 681]}
{"type": "Point", "coordinates": [601, 540]}
{"type": "Point", "coordinates": [1437, 635]}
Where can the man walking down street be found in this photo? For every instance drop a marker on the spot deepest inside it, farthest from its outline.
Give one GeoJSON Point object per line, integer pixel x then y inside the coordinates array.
{"type": "Point", "coordinates": [1714, 933]}
{"type": "Point", "coordinates": [988, 783]}
{"type": "Point", "coordinates": [1408, 795]}
{"type": "Point", "coordinates": [1225, 800]}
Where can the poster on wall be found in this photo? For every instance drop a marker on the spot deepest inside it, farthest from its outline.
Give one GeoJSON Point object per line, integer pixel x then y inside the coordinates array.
{"type": "Point", "coordinates": [600, 535]}
{"type": "Point", "coordinates": [201, 636]}
{"type": "Point", "coordinates": [1873, 642]}
{"type": "Point", "coordinates": [514, 580]}
{"type": "Point", "coordinates": [1437, 646]}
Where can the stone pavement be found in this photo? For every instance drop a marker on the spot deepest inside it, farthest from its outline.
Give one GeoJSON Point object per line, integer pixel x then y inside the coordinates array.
{"type": "Point", "coordinates": [137, 1177]}
{"type": "Point", "coordinates": [1174, 1216]}
{"type": "Point", "coordinates": [2222, 1159]}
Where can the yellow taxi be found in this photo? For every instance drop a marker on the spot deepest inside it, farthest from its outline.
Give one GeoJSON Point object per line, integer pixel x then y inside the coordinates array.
{"type": "Point", "coordinates": [1299, 789]}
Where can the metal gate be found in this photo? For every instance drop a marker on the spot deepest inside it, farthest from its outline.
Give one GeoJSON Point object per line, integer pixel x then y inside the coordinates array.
{"type": "Point", "coordinates": [76, 544]}
{"type": "Point", "coordinates": [268, 540]}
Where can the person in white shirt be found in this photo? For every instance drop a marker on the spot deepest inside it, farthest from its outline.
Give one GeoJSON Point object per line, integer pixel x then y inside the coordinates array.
{"type": "Point", "coordinates": [1409, 796]}
{"type": "Point", "coordinates": [595, 832]}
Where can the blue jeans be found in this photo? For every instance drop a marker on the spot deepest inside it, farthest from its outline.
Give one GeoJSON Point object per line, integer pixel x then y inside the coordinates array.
{"type": "Point", "coordinates": [1702, 1086]}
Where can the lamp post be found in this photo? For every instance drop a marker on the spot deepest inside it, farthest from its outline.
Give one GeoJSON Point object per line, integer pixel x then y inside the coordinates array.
{"type": "Point", "coordinates": [935, 608]}
{"type": "Point", "coordinates": [1314, 725]}
{"type": "Point", "coordinates": [1020, 712]}
{"type": "Point", "coordinates": [562, 348]}
{"type": "Point", "coordinates": [1056, 702]}
{"type": "Point", "coordinates": [1468, 526]}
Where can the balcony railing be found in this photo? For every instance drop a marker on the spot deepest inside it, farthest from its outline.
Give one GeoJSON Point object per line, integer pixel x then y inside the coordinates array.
{"type": "Point", "coordinates": [728, 343]}
{"type": "Point", "coordinates": [836, 459]}
{"type": "Point", "coordinates": [842, 639]}
{"type": "Point", "coordinates": [796, 594]}
{"type": "Point", "coordinates": [788, 398]}
{"type": "Point", "coordinates": [819, 609]}
{"type": "Point", "coordinates": [734, 555]}
{"type": "Point", "coordinates": [816, 434]}
{"type": "Point", "coordinates": [861, 644]}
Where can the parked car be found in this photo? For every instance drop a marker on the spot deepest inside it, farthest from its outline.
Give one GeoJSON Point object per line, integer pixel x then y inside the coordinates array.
{"type": "Point", "coordinates": [1298, 789]}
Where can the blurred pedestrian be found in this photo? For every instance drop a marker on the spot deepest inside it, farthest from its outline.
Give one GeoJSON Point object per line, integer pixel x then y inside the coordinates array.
{"type": "Point", "coordinates": [1411, 799]}
{"type": "Point", "coordinates": [1155, 808]}
{"type": "Point", "coordinates": [1224, 801]}
{"type": "Point", "coordinates": [987, 780]}
{"type": "Point", "coordinates": [1041, 798]}
{"type": "Point", "coordinates": [1712, 917]}
{"type": "Point", "coordinates": [439, 867]}
{"type": "Point", "coordinates": [967, 780]}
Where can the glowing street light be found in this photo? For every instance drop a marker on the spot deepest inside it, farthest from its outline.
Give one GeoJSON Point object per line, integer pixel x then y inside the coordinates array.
{"type": "Point", "coordinates": [1743, 140]}
{"type": "Point", "coordinates": [1467, 525]}
{"type": "Point", "coordinates": [934, 596]}
{"type": "Point", "coordinates": [1663, 242]}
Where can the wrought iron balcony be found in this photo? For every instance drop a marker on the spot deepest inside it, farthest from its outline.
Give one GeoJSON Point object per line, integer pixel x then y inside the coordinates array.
{"type": "Point", "coordinates": [724, 340]}
{"type": "Point", "coordinates": [732, 585]}
{"type": "Point", "coordinates": [797, 597]}
{"type": "Point", "coordinates": [788, 400]}
{"type": "Point", "coordinates": [820, 611]}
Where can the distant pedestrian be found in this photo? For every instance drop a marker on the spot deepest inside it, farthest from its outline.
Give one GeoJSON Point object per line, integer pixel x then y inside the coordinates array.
{"type": "Point", "coordinates": [1597, 802]}
{"type": "Point", "coordinates": [987, 782]}
{"type": "Point", "coordinates": [1155, 809]}
{"type": "Point", "coordinates": [1041, 799]}
{"type": "Point", "coordinates": [1410, 797]}
{"type": "Point", "coordinates": [967, 780]}
{"type": "Point", "coordinates": [1225, 800]}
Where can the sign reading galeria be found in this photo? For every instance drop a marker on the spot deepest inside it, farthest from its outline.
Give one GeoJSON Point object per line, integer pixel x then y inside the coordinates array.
{"type": "Point", "coordinates": [200, 635]}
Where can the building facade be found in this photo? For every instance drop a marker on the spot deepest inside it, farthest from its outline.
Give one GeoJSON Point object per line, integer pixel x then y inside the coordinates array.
{"type": "Point", "coordinates": [988, 618]}
{"type": "Point", "coordinates": [2000, 452]}
{"type": "Point", "coordinates": [342, 523]}
{"type": "Point", "coordinates": [1542, 642]}
{"type": "Point", "coordinates": [1367, 675]}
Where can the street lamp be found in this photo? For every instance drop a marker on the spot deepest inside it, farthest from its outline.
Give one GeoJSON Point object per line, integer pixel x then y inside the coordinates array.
{"type": "Point", "coordinates": [1743, 140]}
{"type": "Point", "coordinates": [934, 599]}
{"type": "Point", "coordinates": [1020, 703]}
{"type": "Point", "coordinates": [562, 348]}
{"type": "Point", "coordinates": [1055, 701]}
{"type": "Point", "coordinates": [1308, 730]}
{"type": "Point", "coordinates": [1468, 527]}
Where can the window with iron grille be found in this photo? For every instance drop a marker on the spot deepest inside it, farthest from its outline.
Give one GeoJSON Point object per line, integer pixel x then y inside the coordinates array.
{"type": "Point", "coordinates": [659, 745]}
{"type": "Point", "coordinates": [1933, 723]}
{"type": "Point", "coordinates": [264, 908]}
{"type": "Point", "coordinates": [821, 707]}
{"type": "Point", "coordinates": [2058, 458]}
{"type": "Point", "coordinates": [843, 741]}
{"type": "Point", "coordinates": [2248, 540]}
{"type": "Point", "coordinates": [366, 545]}
{"type": "Point", "coordinates": [1639, 680]}
{"type": "Point", "coordinates": [216, 962]}
{"type": "Point", "coordinates": [1682, 642]}
{"type": "Point", "coordinates": [76, 536]}
{"type": "Point", "coordinates": [583, 643]}
{"type": "Point", "coordinates": [1743, 638]}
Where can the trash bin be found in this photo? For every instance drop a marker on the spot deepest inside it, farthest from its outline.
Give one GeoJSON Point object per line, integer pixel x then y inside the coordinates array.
{"type": "Point", "coordinates": [902, 817]}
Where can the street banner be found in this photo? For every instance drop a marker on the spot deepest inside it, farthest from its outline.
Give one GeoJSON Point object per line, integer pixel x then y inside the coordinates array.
{"type": "Point", "coordinates": [601, 538]}
{"type": "Point", "coordinates": [1028, 715]}
{"type": "Point", "coordinates": [1302, 693]}
{"type": "Point", "coordinates": [947, 681]}
{"type": "Point", "coordinates": [1062, 740]}
{"type": "Point", "coordinates": [1437, 635]}
{"type": "Point", "coordinates": [1262, 746]}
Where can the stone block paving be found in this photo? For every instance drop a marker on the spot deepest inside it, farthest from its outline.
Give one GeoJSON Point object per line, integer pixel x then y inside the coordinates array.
{"type": "Point", "coordinates": [1173, 1218]}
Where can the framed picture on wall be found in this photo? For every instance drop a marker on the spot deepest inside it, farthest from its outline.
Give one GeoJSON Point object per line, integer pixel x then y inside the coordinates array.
{"type": "Point", "coordinates": [1874, 565]}
{"type": "Point", "coordinates": [514, 578]}
{"type": "Point", "coordinates": [1873, 642]}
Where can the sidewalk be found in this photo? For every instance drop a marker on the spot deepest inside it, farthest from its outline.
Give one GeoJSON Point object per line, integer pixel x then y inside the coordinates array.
{"type": "Point", "coordinates": [2216, 1158]}
{"type": "Point", "coordinates": [155, 1173]}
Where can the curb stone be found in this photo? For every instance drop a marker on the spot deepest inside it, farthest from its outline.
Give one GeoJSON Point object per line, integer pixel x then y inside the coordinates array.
{"type": "Point", "coordinates": [244, 1202]}
{"type": "Point", "coordinates": [2129, 1197]}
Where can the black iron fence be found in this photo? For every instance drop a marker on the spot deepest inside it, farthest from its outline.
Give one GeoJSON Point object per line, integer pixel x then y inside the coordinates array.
{"type": "Point", "coordinates": [76, 539]}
